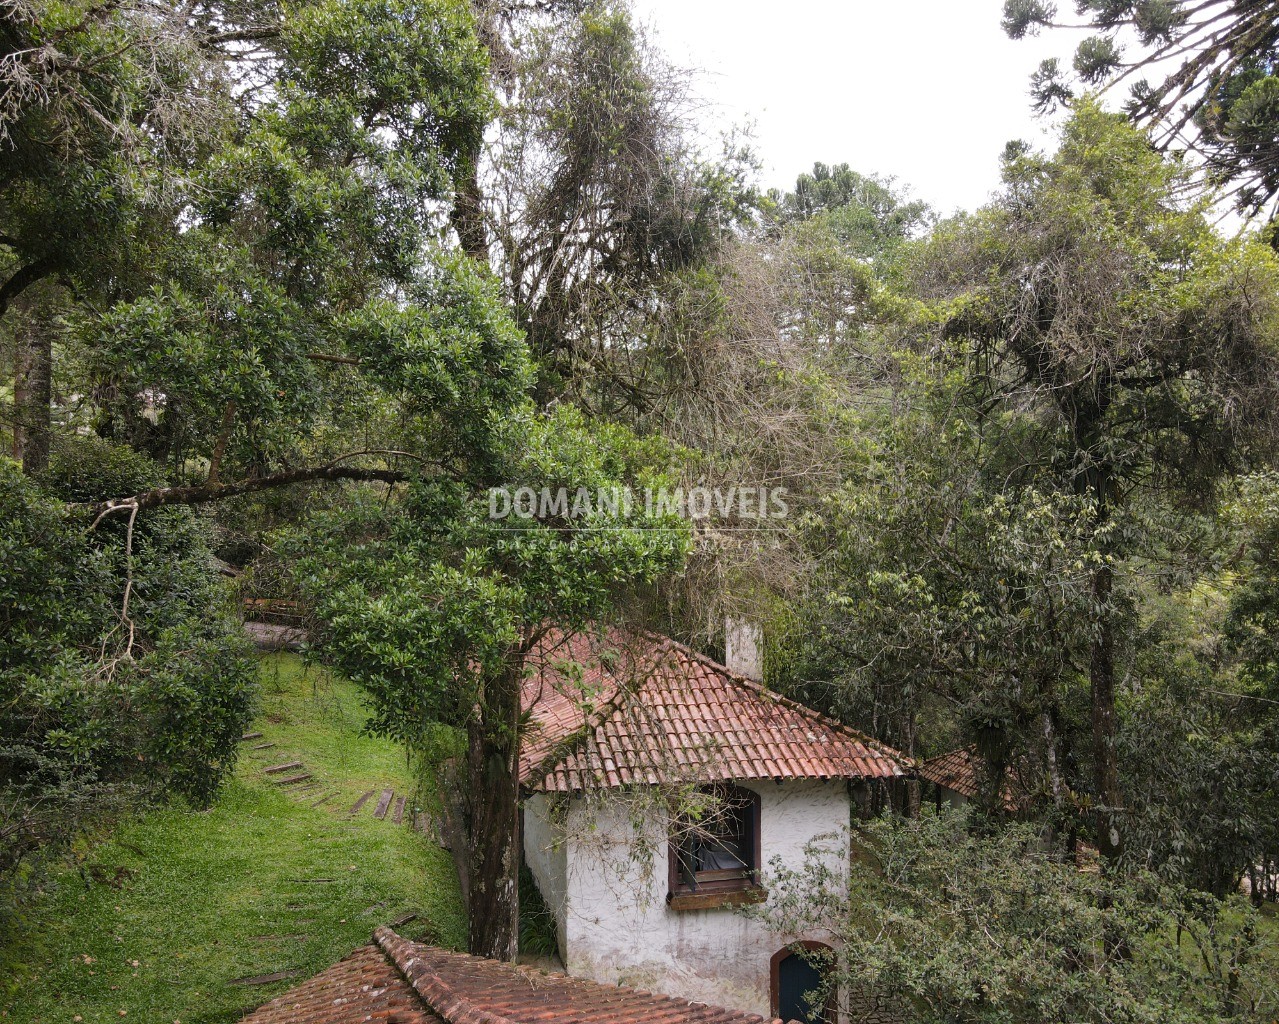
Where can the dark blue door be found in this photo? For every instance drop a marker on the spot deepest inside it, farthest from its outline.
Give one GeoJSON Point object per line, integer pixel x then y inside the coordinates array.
{"type": "Point", "coordinates": [798, 981]}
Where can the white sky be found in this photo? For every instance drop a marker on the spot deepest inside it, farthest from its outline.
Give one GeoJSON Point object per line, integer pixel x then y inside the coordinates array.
{"type": "Point", "coordinates": [927, 91]}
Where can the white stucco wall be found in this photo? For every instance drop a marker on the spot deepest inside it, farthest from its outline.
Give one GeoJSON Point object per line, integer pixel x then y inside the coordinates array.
{"type": "Point", "coordinates": [547, 858]}
{"type": "Point", "coordinates": [609, 895]}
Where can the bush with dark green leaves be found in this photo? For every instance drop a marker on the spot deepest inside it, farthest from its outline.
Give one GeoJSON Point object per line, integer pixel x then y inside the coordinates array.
{"type": "Point", "coordinates": [123, 675]}
{"type": "Point", "coordinates": [953, 921]}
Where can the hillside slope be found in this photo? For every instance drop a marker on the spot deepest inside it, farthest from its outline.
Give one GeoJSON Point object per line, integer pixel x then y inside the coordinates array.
{"type": "Point", "coordinates": [181, 914]}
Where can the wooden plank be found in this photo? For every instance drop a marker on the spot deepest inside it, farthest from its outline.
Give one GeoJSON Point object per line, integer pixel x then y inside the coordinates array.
{"type": "Point", "coordinates": [251, 736]}
{"type": "Point", "coordinates": [398, 816]}
{"type": "Point", "coordinates": [324, 799]}
{"type": "Point", "coordinates": [288, 766]}
{"type": "Point", "coordinates": [383, 803]}
{"type": "Point", "coordinates": [292, 779]}
{"type": "Point", "coordinates": [712, 900]}
{"type": "Point", "coordinates": [263, 746]}
{"type": "Point", "coordinates": [403, 919]}
{"type": "Point", "coordinates": [355, 808]}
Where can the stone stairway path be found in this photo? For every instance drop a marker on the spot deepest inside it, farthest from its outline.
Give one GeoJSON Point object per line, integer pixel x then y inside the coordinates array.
{"type": "Point", "coordinates": [300, 782]}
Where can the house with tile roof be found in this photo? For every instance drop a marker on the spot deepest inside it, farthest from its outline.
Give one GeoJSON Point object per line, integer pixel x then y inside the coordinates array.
{"type": "Point", "coordinates": [954, 779]}
{"type": "Point", "coordinates": [395, 981]}
{"type": "Point", "coordinates": [659, 786]}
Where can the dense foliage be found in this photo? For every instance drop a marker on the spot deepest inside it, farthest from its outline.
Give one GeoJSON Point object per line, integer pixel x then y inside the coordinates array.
{"type": "Point", "coordinates": [124, 673]}
{"type": "Point", "coordinates": [300, 286]}
{"type": "Point", "coordinates": [284, 304]}
{"type": "Point", "coordinates": [1081, 366]}
{"type": "Point", "coordinates": [953, 926]}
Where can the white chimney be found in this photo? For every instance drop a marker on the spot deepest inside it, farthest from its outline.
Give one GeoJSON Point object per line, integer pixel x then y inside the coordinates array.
{"type": "Point", "coordinates": [743, 648]}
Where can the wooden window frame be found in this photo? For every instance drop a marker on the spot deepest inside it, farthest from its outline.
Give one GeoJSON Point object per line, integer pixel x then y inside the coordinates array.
{"type": "Point", "coordinates": [775, 978]}
{"type": "Point", "coordinates": [711, 889]}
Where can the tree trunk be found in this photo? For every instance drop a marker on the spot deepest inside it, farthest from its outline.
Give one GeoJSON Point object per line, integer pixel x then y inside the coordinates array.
{"type": "Point", "coordinates": [468, 209]}
{"type": "Point", "coordinates": [494, 837]}
{"type": "Point", "coordinates": [1104, 752]}
{"type": "Point", "coordinates": [911, 789]}
{"type": "Point", "coordinates": [19, 395]}
{"type": "Point", "coordinates": [219, 447]}
{"type": "Point", "coordinates": [32, 395]}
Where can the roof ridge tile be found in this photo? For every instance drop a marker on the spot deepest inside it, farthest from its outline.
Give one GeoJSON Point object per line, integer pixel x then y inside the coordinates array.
{"type": "Point", "coordinates": [511, 991]}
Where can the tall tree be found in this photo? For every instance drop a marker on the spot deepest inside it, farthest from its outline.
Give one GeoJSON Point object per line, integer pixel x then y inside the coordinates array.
{"type": "Point", "coordinates": [774, 349]}
{"type": "Point", "coordinates": [435, 606]}
{"type": "Point", "coordinates": [1119, 345]}
{"type": "Point", "coordinates": [1216, 89]}
{"type": "Point", "coordinates": [104, 108]}
{"type": "Point", "coordinates": [595, 199]}
{"type": "Point", "coordinates": [274, 306]}
{"type": "Point", "coordinates": [304, 320]}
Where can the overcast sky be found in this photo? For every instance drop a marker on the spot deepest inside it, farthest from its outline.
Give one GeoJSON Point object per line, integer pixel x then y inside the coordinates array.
{"type": "Point", "coordinates": [927, 91]}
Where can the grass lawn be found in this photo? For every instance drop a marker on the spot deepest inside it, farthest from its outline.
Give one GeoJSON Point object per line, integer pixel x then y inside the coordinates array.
{"type": "Point", "coordinates": [260, 883]}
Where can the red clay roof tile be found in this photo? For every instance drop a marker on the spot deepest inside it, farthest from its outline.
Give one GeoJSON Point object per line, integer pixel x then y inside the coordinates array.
{"type": "Point", "coordinates": [365, 986]}
{"type": "Point", "coordinates": [395, 980]}
{"type": "Point", "coordinates": [956, 770]}
{"type": "Point", "coordinates": [614, 710]}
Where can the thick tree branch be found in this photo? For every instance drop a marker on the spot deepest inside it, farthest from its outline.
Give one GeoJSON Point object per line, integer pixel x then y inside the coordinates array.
{"type": "Point", "coordinates": [243, 35]}
{"type": "Point", "coordinates": [324, 357]}
{"type": "Point", "coordinates": [201, 493]}
{"type": "Point", "coordinates": [22, 279]}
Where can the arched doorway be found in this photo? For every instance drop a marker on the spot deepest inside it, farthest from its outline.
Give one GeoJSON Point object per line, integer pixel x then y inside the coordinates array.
{"type": "Point", "coordinates": [795, 977]}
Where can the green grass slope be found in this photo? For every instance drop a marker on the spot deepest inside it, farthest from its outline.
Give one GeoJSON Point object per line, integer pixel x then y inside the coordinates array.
{"type": "Point", "coordinates": [260, 883]}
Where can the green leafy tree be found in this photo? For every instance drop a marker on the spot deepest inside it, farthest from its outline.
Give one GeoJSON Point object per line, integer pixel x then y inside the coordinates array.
{"type": "Point", "coordinates": [284, 312]}
{"type": "Point", "coordinates": [124, 675]}
{"type": "Point", "coordinates": [434, 606]}
{"type": "Point", "coordinates": [869, 214]}
{"type": "Point", "coordinates": [1115, 348]}
{"type": "Point", "coordinates": [1198, 746]}
{"type": "Point", "coordinates": [943, 925]}
{"type": "Point", "coordinates": [943, 610]}
{"type": "Point", "coordinates": [300, 318]}
{"type": "Point", "coordinates": [104, 110]}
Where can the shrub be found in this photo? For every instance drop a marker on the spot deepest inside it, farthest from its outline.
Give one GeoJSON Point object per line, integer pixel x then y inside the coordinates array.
{"type": "Point", "coordinates": [99, 710]}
